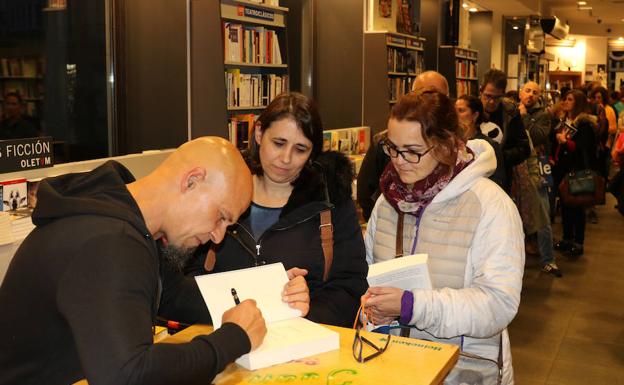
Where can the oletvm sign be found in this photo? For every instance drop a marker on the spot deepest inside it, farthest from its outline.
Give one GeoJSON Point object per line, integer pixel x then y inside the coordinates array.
{"type": "Point", "coordinates": [26, 154]}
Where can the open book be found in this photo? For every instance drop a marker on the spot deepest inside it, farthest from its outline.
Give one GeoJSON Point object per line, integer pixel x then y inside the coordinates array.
{"type": "Point", "coordinates": [407, 273]}
{"type": "Point", "coordinates": [289, 336]}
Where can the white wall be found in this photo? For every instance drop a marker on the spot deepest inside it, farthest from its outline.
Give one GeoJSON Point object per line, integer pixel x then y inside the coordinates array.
{"type": "Point", "coordinates": [596, 50]}
{"type": "Point", "coordinates": [497, 40]}
{"type": "Point", "coordinates": [573, 58]}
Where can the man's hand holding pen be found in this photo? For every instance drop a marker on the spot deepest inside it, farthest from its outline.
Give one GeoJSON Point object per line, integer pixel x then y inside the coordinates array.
{"type": "Point", "coordinates": [247, 315]}
{"type": "Point", "coordinates": [296, 292]}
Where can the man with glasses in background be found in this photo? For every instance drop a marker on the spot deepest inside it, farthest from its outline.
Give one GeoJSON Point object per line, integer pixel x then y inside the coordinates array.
{"type": "Point", "coordinates": [504, 113]}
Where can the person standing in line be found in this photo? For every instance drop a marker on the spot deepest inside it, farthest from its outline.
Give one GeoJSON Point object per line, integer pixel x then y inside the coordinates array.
{"type": "Point", "coordinates": [470, 114]}
{"type": "Point", "coordinates": [504, 114]}
{"type": "Point", "coordinates": [436, 199]}
{"type": "Point", "coordinates": [537, 123]}
{"type": "Point", "coordinates": [297, 186]}
{"type": "Point", "coordinates": [574, 150]}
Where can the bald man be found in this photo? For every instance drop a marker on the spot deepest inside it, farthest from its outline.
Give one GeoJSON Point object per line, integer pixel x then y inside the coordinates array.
{"type": "Point", "coordinates": [431, 81]}
{"type": "Point", "coordinates": [83, 291]}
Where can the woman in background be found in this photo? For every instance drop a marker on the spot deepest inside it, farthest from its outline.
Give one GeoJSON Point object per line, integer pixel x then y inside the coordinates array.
{"type": "Point", "coordinates": [299, 194]}
{"type": "Point", "coordinates": [470, 113]}
{"type": "Point", "coordinates": [574, 150]}
{"type": "Point", "coordinates": [437, 200]}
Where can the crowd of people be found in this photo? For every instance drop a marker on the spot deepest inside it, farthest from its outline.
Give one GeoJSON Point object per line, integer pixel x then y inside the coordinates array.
{"type": "Point", "coordinates": [465, 181]}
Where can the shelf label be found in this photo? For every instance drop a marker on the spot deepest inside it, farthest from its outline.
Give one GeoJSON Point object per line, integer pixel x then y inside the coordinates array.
{"type": "Point", "coordinates": [25, 154]}
{"type": "Point", "coordinates": [256, 13]}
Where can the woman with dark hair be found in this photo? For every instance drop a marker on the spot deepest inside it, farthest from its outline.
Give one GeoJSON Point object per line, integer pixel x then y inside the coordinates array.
{"type": "Point", "coordinates": [300, 195]}
{"type": "Point", "coordinates": [437, 200]}
{"type": "Point", "coordinates": [470, 114]}
{"type": "Point", "coordinates": [574, 149]}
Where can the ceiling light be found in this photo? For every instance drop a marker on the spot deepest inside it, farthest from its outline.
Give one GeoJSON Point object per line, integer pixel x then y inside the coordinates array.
{"type": "Point", "coordinates": [515, 27]}
{"type": "Point", "coordinates": [585, 8]}
{"type": "Point", "coordinates": [465, 5]}
{"type": "Point", "coordinates": [581, 2]}
{"type": "Point", "coordinates": [620, 38]}
{"type": "Point", "coordinates": [473, 9]}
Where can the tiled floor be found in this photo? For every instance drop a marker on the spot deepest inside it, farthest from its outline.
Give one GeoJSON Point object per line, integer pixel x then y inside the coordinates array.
{"type": "Point", "coordinates": [570, 330]}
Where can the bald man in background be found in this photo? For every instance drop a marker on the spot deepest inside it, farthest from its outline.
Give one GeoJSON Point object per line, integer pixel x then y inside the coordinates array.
{"type": "Point", "coordinates": [376, 160]}
{"type": "Point", "coordinates": [83, 291]}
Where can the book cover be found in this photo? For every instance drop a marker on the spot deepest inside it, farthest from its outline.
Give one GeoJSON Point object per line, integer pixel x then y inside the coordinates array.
{"type": "Point", "coordinates": [14, 194]}
{"type": "Point", "coordinates": [289, 336]}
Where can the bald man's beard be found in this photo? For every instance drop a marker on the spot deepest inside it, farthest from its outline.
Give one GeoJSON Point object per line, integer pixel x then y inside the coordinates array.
{"type": "Point", "coordinates": [176, 257]}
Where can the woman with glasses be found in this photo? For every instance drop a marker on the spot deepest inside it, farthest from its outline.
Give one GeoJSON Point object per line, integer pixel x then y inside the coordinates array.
{"type": "Point", "coordinates": [574, 150]}
{"type": "Point", "coordinates": [301, 215]}
{"type": "Point", "coordinates": [436, 199]}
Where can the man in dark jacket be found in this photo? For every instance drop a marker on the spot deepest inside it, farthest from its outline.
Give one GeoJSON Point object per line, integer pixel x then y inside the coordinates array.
{"type": "Point", "coordinates": [13, 125]}
{"type": "Point", "coordinates": [504, 114]}
{"type": "Point", "coordinates": [537, 122]}
{"type": "Point", "coordinates": [84, 289]}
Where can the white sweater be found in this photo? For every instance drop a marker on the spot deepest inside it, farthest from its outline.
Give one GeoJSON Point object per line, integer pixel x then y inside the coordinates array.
{"type": "Point", "coordinates": [473, 235]}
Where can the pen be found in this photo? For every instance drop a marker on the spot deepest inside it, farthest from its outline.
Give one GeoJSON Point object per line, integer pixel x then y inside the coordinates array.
{"type": "Point", "coordinates": [235, 296]}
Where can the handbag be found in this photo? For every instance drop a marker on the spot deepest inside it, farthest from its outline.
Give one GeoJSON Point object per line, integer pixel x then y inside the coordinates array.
{"type": "Point", "coordinates": [534, 166]}
{"type": "Point", "coordinates": [582, 188]}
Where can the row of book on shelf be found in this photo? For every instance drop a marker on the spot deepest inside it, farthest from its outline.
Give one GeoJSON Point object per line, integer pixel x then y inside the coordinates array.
{"type": "Point", "coordinates": [399, 86]}
{"type": "Point", "coordinates": [350, 141]}
{"type": "Point", "coordinates": [253, 90]}
{"type": "Point", "coordinates": [466, 68]}
{"type": "Point", "coordinates": [466, 87]}
{"type": "Point", "coordinates": [27, 90]}
{"type": "Point", "coordinates": [401, 60]}
{"type": "Point", "coordinates": [250, 44]}
{"type": "Point", "coordinates": [20, 67]}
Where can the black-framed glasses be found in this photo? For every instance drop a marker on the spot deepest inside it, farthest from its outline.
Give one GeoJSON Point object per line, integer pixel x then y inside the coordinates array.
{"type": "Point", "coordinates": [359, 342]}
{"type": "Point", "coordinates": [410, 156]}
{"type": "Point", "coordinates": [493, 98]}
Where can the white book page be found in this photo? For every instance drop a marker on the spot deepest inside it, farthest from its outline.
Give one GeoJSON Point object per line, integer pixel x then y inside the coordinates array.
{"type": "Point", "coordinates": [407, 273]}
{"type": "Point", "coordinates": [264, 284]}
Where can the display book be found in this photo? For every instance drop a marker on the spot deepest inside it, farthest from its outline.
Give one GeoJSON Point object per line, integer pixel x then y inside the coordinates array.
{"type": "Point", "coordinates": [289, 336]}
{"type": "Point", "coordinates": [407, 273]}
{"type": "Point", "coordinates": [19, 197]}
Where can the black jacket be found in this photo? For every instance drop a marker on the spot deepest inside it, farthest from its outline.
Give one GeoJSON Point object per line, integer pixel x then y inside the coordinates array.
{"type": "Point", "coordinates": [580, 152]}
{"type": "Point", "coordinates": [295, 241]}
{"type": "Point", "coordinates": [82, 293]}
{"type": "Point", "coordinates": [373, 165]}
{"type": "Point", "coordinates": [515, 145]}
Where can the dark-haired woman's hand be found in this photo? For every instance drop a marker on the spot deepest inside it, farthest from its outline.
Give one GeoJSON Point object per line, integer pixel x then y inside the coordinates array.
{"type": "Point", "coordinates": [296, 292]}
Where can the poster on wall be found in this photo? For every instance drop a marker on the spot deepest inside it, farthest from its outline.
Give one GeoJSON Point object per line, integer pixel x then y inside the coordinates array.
{"type": "Point", "coordinates": [619, 80]}
{"type": "Point", "coordinates": [385, 9]}
{"type": "Point", "coordinates": [404, 17]}
{"type": "Point", "coordinates": [590, 70]}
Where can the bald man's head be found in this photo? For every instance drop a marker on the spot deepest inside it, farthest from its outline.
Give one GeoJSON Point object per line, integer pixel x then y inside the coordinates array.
{"type": "Point", "coordinates": [431, 81]}
{"type": "Point", "coordinates": [200, 189]}
{"type": "Point", "coordinates": [529, 94]}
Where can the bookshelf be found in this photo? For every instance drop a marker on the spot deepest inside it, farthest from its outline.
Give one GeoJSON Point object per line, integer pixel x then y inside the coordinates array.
{"type": "Point", "coordinates": [254, 42]}
{"type": "Point", "coordinates": [23, 75]}
{"type": "Point", "coordinates": [459, 66]}
{"type": "Point", "coordinates": [391, 62]}
{"type": "Point", "coordinates": [570, 79]}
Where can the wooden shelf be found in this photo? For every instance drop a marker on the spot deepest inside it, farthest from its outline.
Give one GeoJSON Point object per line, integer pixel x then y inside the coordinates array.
{"type": "Point", "coordinates": [242, 108]}
{"type": "Point", "coordinates": [237, 64]}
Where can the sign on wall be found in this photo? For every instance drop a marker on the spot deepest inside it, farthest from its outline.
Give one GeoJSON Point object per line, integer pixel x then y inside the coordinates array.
{"type": "Point", "coordinates": [25, 154]}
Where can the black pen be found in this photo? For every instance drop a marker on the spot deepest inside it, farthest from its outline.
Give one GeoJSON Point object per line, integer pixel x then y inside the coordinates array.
{"type": "Point", "coordinates": [235, 296]}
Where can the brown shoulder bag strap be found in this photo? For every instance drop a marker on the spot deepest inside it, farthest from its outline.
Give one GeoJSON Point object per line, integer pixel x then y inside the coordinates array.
{"type": "Point", "coordinates": [327, 241]}
{"type": "Point", "coordinates": [398, 251]}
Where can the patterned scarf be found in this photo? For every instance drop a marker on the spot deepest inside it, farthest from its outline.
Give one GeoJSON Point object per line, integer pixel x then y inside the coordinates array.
{"type": "Point", "coordinates": [413, 200]}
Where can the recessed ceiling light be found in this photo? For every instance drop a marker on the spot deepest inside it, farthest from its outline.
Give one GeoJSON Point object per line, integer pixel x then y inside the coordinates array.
{"type": "Point", "coordinates": [465, 5]}
{"type": "Point", "coordinates": [473, 9]}
{"type": "Point", "coordinates": [620, 38]}
{"type": "Point", "coordinates": [581, 2]}
{"type": "Point", "coordinates": [585, 7]}
{"type": "Point", "coordinates": [515, 27]}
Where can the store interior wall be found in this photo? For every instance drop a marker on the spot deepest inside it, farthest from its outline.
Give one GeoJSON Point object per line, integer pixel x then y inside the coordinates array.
{"type": "Point", "coordinates": [481, 39]}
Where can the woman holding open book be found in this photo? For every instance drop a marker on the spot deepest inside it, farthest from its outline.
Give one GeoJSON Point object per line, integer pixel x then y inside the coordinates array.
{"type": "Point", "coordinates": [301, 213]}
{"type": "Point", "coordinates": [437, 200]}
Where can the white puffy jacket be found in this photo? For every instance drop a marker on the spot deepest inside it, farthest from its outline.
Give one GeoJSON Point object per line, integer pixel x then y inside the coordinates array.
{"type": "Point", "coordinates": [473, 235]}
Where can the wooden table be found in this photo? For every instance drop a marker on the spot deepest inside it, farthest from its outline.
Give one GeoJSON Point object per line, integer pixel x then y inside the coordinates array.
{"type": "Point", "coordinates": [406, 361]}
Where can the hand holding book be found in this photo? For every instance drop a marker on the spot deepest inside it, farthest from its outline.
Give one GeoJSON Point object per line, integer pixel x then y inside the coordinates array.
{"type": "Point", "coordinates": [382, 304]}
{"type": "Point", "coordinates": [296, 292]}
